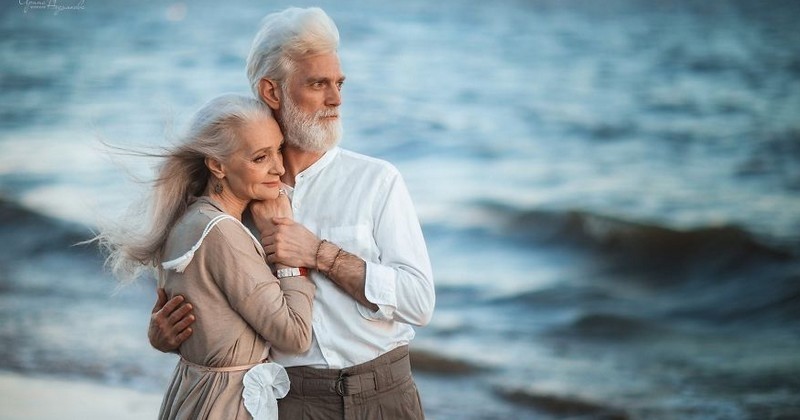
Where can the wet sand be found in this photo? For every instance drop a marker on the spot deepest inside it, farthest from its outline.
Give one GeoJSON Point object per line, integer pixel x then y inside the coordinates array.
{"type": "Point", "coordinates": [32, 398]}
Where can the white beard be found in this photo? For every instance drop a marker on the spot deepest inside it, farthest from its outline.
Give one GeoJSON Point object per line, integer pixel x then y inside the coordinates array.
{"type": "Point", "coordinates": [308, 132]}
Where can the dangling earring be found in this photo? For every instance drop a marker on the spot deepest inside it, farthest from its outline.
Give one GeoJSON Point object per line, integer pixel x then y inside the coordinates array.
{"type": "Point", "coordinates": [218, 187]}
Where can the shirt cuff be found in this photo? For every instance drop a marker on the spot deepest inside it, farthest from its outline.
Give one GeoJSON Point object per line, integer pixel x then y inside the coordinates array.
{"type": "Point", "coordinates": [379, 288]}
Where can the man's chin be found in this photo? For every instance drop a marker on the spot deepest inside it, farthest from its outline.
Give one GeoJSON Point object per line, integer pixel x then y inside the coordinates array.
{"type": "Point", "coordinates": [315, 147]}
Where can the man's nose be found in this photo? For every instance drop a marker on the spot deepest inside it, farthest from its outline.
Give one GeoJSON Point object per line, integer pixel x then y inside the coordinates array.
{"type": "Point", "coordinates": [333, 96]}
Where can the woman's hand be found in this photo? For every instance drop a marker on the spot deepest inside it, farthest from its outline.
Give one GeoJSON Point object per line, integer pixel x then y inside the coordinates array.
{"type": "Point", "coordinates": [264, 211]}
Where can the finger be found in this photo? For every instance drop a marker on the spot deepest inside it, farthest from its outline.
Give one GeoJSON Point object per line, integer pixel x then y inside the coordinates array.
{"type": "Point", "coordinates": [172, 304]}
{"type": "Point", "coordinates": [160, 300]}
{"type": "Point", "coordinates": [180, 338]}
{"type": "Point", "coordinates": [268, 230]}
{"type": "Point", "coordinates": [270, 249]}
{"type": "Point", "coordinates": [282, 221]}
{"type": "Point", "coordinates": [184, 323]}
{"type": "Point", "coordinates": [268, 240]}
{"type": "Point", "coordinates": [180, 313]}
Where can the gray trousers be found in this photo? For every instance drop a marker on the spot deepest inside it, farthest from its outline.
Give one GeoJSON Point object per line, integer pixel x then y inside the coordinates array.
{"type": "Point", "coordinates": [379, 389]}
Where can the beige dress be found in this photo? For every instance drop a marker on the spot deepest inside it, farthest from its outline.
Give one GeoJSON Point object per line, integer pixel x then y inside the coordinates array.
{"type": "Point", "coordinates": [241, 310]}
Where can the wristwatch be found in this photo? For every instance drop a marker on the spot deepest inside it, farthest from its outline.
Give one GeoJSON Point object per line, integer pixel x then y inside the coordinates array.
{"type": "Point", "coordinates": [292, 272]}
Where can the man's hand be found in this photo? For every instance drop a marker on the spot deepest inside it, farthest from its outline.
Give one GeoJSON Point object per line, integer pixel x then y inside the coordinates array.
{"type": "Point", "coordinates": [169, 322]}
{"type": "Point", "coordinates": [289, 243]}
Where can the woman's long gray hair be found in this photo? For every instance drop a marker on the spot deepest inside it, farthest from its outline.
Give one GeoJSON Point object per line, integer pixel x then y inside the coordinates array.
{"type": "Point", "coordinates": [133, 246]}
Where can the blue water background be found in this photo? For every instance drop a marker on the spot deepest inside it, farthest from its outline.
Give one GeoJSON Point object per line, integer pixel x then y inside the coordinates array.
{"type": "Point", "coordinates": [610, 191]}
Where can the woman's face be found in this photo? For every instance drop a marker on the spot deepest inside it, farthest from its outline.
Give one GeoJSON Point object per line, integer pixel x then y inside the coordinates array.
{"type": "Point", "coordinates": [253, 171]}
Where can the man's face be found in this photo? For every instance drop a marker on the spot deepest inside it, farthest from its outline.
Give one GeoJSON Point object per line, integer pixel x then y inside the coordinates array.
{"type": "Point", "coordinates": [310, 103]}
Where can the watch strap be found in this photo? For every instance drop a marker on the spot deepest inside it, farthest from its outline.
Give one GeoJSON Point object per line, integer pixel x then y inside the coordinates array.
{"type": "Point", "coordinates": [292, 272]}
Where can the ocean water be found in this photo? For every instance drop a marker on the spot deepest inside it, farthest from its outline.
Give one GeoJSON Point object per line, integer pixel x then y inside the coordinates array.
{"type": "Point", "coordinates": [610, 191]}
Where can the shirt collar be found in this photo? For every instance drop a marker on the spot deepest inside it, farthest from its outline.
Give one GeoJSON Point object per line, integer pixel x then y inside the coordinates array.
{"type": "Point", "coordinates": [320, 164]}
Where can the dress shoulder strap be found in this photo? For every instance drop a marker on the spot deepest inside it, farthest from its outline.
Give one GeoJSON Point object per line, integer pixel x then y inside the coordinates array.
{"type": "Point", "coordinates": [179, 264]}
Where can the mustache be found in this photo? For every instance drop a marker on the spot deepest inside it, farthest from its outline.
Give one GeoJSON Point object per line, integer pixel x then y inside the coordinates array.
{"type": "Point", "coordinates": [331, 112]}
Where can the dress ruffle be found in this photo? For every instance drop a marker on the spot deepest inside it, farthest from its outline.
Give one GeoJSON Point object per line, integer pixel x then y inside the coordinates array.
{"type": "Point", "coordinates": [264, 384]}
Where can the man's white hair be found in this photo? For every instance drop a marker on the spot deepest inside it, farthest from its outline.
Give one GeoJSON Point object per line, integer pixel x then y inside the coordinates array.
{"type": "Point", "coordinates": [287, 36]}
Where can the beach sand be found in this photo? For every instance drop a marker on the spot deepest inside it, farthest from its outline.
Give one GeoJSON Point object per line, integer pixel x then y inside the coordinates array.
{"type": "Point", "coordinates": [42, 397]}
{"type": "Point", "coordinates": [31, 398]}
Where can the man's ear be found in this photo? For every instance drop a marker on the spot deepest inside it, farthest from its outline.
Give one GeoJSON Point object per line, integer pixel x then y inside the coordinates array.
{"type": "Point", "coordinates": [215, 167]}
{"type": "Point", "coordinates": [270, 93]}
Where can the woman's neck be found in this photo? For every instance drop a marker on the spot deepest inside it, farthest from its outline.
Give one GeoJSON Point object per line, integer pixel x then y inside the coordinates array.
{"type": "Point", "coordinates": [229, 202]}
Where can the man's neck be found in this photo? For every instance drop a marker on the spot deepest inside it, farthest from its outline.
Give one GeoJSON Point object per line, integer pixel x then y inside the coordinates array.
{"type": "Point", "coordinates": [295, 161]}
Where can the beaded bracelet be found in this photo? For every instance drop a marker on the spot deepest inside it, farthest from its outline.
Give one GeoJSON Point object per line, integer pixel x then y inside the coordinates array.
{"type": "Point", "coordinates": [316, 254]}
{"type": "Point", "coordinates": [332, 271]}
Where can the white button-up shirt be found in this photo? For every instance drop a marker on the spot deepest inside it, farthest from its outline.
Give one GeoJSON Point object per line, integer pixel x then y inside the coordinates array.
{"type": "Point", "coordinates": [362, 205]}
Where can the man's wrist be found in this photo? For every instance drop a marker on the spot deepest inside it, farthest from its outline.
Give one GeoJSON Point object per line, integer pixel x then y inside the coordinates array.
{"type": "Point", "coordinates": [325, 256]}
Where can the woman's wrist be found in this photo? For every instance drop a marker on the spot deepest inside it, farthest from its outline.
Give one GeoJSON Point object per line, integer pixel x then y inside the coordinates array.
{"type": "Point", "coordinates": [291, 272]}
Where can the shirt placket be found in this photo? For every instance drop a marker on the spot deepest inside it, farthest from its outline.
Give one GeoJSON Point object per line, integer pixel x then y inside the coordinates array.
{"type": "Point", "coordinates": [298, 207]}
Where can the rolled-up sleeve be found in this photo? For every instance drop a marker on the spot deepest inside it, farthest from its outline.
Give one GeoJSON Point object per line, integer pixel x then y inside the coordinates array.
{"type": "Point", "coordinates": [401, 282]}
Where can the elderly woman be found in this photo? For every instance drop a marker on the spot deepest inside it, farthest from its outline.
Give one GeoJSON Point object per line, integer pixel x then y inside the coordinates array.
{"type": "Point", "coordinates": [196, 241]}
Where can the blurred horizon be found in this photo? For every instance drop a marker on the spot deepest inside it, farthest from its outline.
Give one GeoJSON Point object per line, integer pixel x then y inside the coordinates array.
{"type": "Point", "coordinates": [633, 167]}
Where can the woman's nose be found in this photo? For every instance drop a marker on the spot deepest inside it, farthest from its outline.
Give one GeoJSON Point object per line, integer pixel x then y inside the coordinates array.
{"type": "Point", "coordinates": [278, 168]}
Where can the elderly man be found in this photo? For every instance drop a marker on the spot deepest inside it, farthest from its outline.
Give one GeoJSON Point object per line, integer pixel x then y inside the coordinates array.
{"type": "Point", "coordinates": [354, 229]}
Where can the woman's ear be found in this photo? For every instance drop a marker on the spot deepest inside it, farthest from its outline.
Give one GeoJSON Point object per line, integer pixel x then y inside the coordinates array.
{"type": "Point", "coordinates": [215, 167]}
{"type": "Point", "coordinates": [270, 93]}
